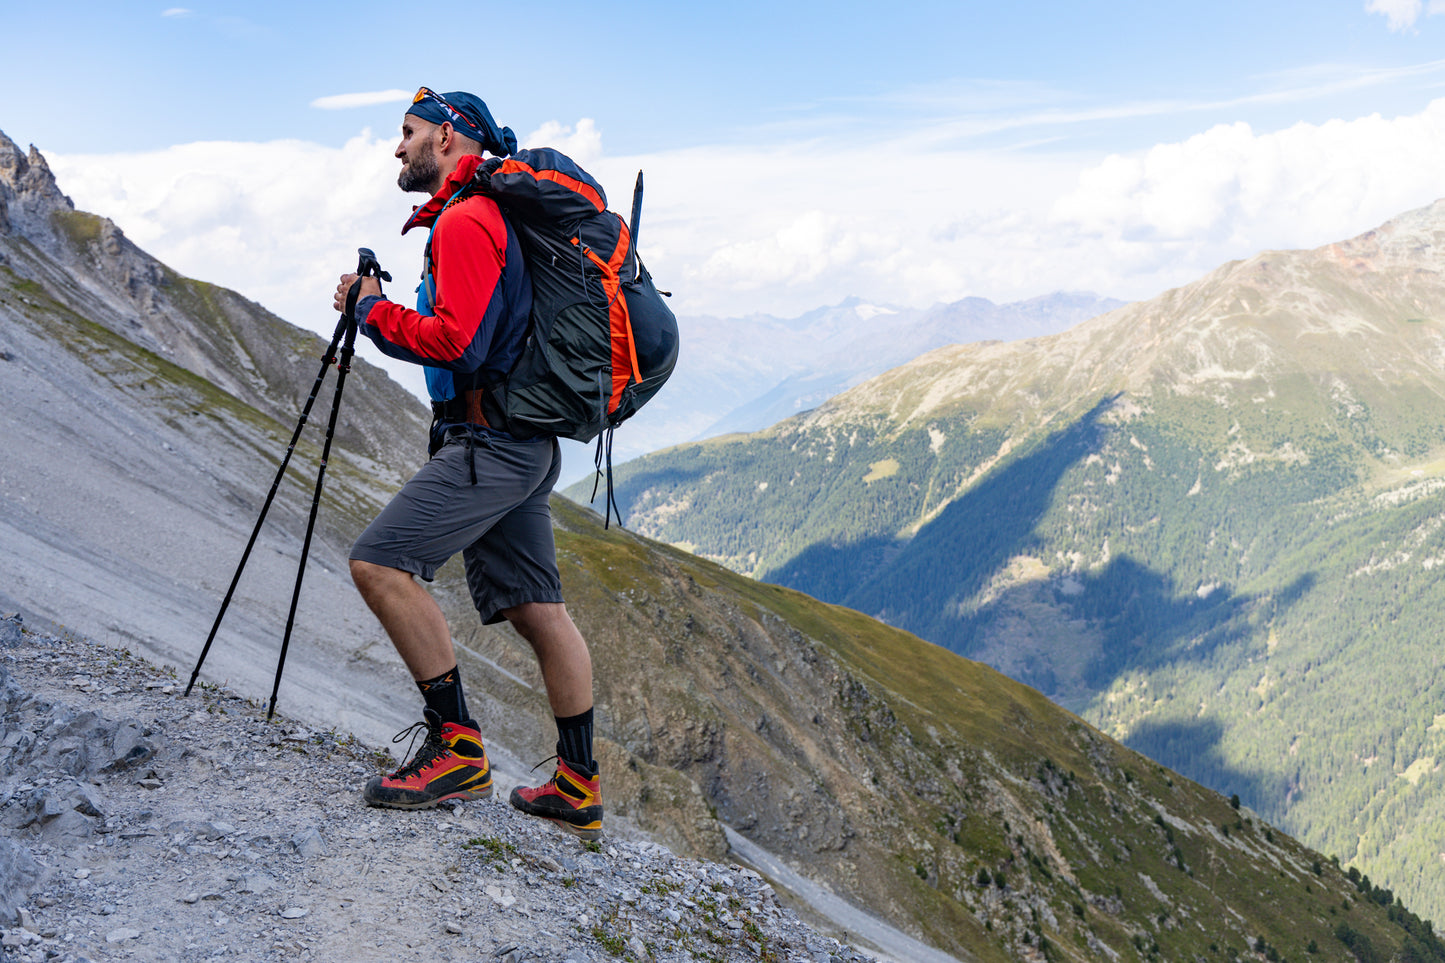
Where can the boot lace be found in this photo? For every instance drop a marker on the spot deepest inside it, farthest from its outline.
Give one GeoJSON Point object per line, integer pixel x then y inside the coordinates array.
{"type": "Point", "coordinates": [432, 747]}
{"type": "Point", "coordinates": [555, 772]}
{"type": "Point", "coordinates": [544, 762]}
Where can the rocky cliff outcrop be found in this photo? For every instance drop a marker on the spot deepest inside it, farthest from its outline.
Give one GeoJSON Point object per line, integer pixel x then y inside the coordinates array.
{"type": "Point", "coordinates": [28, 192]}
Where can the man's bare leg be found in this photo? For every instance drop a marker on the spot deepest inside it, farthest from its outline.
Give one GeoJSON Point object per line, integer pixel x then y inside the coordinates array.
{"type": "Point", "coordinates": [452, 762]}
{"type": "Point", "coordinates": [410, 616]}
{"type": "Point", "coordinates": [572, 798]}
{"type": "Point", "coordinates": [561, 652]}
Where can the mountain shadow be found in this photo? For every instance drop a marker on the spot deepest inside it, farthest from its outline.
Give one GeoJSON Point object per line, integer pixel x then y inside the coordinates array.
{"type": "Point", "coordinates": [1069, 638]}
{"type": "Point", "coordinates": [1072, 638]}
{"type": "Point", "coordinates": [1147, 624]}
{"type": "Point", "coordinates": [954, 556]}
{"type": "Point", "coordinates": [1192, 747]}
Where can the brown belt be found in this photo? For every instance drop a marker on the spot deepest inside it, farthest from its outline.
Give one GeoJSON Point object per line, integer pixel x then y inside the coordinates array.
{"type": "Point", "coordinates": [467, 407]}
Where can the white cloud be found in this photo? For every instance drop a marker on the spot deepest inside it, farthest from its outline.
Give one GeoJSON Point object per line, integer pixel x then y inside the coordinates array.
{"type": "Point", "coordinates": [582, 143]}
{"type": "Point", "coordinates": [176, 12]}
{"type": "Point", "coordinates": [787, 227]}
{"type": "Point", "coordinates": [1230, 191]}
{"type": "Point", "coordinates": [1401, 14]}
{"type": "Point", "coordinates": [367, 99]}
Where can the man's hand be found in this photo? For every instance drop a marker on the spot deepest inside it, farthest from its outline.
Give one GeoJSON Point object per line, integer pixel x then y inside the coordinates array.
{"type": "Point", "coordinates": [369, 286]}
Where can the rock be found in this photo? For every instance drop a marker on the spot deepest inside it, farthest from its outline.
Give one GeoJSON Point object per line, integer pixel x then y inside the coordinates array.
{"type": "Point", "coordinates": [27, 922]}
{"type": "Point", "coordinates": [308, 843]}
{"type": "Point", "coordinates": [127, 747]}
{"type": "Point", "coordinates": [18, 875]}
{"type": "Point", "coordinates": [193, 855]}
{"type": "Point", "coordinates": [258, 883]}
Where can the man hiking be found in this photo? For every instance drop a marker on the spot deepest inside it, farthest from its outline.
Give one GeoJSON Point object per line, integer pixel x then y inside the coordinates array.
{"type": "Point", "coordinates": [483, 493]}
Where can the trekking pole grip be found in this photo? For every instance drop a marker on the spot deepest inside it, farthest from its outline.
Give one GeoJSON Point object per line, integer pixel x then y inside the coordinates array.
{"type": "Point", "coordinates": [367, 266]}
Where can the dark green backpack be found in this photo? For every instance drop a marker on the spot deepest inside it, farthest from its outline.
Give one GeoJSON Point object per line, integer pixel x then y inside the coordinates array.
{"type": "Point", "coordinates": [602, 340]}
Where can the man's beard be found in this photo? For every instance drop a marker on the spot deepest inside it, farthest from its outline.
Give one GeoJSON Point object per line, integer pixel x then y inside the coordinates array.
{"type": "Point", "coordinates": [419, 173]}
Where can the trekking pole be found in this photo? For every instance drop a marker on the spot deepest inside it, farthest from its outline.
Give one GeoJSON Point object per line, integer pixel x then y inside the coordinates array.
{"type": "Point", "coordinates": [326, 362]}
{"type": "Point", "coordinates": [367, 264]}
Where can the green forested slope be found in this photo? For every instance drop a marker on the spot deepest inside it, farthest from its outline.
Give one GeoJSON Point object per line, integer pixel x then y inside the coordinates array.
{"type": "Point", "coordinates": [1209, 523]}
{"type": "Point", "coordinates": [933, 790]}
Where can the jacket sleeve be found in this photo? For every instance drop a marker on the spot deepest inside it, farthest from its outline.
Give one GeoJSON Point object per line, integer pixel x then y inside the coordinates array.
{"type": "Point", "coordinates": [468, 249]}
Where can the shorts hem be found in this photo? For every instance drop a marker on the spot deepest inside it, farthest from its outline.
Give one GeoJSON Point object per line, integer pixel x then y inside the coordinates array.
{"type": "Point", "coordinates": [520, 597]}
{"type": "Point", "coordinates": [363, 553]}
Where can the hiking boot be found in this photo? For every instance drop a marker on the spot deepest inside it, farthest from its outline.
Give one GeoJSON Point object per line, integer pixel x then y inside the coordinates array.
{"type": "Point", "coordinates": [571, 799]}
{"type": "Point", "coordinates": [451, 764]}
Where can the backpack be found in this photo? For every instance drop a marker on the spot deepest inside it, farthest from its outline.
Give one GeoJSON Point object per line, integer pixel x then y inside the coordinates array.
{"type": "Point", "coordinates": [601, 340]}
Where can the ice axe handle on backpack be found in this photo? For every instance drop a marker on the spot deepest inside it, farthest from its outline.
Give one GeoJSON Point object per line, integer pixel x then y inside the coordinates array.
{"type": "Point", "coordinates": [636, 223]}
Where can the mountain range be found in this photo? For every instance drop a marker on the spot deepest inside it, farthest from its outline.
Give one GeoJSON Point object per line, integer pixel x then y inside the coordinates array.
{"type": "Point", "coordinates": [1208, 522]}
{"type": "Point", "coordinates": [144, 416]}
{"type": "Point", "coordinates": [746, 373]}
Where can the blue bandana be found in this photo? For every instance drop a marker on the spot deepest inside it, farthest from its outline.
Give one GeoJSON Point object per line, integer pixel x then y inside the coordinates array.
{"type": "Point", "coordinates": [468, 115]}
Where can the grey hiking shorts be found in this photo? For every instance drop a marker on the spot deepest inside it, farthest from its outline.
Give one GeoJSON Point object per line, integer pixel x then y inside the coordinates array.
{"type": "Point", "coordinates": [501, 525]}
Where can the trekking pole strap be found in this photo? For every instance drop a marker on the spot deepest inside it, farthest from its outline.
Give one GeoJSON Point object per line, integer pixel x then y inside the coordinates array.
{"type": "Point", "coordinates": [367, 266]}
{"type": "Point", "coordinates": [351, 299]}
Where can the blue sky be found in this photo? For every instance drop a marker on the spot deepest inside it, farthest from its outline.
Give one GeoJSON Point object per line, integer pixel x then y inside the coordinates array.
{"type": "Point", "coordinates": [797, 153]}
{"type": "Point", "coordinates": [659, 76]}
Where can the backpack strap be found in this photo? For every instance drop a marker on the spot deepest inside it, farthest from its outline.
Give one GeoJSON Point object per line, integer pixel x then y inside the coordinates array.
{"type": "Point", "coordinates": [426, 275]}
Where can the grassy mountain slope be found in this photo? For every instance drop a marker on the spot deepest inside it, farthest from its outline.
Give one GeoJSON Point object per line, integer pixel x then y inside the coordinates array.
{"type": "Point", "coordinates": [937, 791]}
{"type": "Point", "coordinates": [1208, 522]}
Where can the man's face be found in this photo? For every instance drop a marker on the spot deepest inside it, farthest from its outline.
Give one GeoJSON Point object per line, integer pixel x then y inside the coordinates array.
{"type": "Point", "coordinates": [418, 156]}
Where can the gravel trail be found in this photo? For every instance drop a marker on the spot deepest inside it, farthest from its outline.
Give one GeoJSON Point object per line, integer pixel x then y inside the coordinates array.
{"type": "Point", "coordinates": [138, 825]}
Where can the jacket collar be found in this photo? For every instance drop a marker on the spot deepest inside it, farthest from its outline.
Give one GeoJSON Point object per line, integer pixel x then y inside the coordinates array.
{"type": "Point", "coordinates": [426, 214]}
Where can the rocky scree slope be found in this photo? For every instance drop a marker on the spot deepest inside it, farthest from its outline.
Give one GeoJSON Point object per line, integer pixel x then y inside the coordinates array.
{"type": "Point", "coordinates": [143, 826]}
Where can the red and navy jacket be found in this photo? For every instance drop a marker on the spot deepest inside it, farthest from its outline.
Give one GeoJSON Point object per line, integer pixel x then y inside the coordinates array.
{"type": "Point", "coordinates": [474, 300]}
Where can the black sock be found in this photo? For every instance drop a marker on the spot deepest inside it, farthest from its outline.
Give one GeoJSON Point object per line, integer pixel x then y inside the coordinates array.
{"type": "Point", "coordinates": [574, 742]}
{"type": "Point", "coordinates": [444, 696]}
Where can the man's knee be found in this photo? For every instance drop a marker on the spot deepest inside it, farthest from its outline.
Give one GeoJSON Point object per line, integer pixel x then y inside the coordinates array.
{"type": "Point", "coordinates": [371, 578]}
{"type": "Point", "coordinates": [537, 620]}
